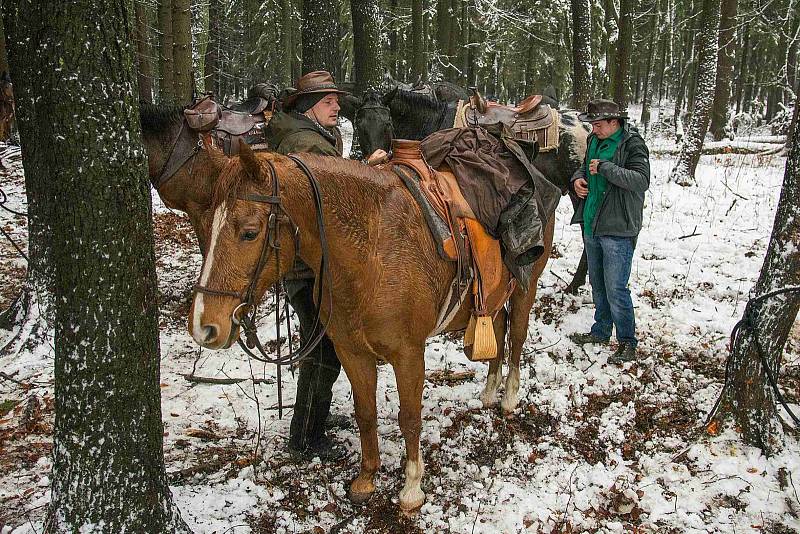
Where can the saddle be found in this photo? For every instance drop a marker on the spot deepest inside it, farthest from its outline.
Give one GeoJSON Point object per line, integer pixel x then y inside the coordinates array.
{"type": "Point", "coordinates": [531, 121]}
{"type": "Point", "coordinates": [225, 128]}
{"type": "Point", "coordinates": [460, 238]}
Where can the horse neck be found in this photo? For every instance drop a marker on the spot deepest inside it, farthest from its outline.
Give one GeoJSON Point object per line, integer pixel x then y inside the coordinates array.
{"type": "Point", "coordinates": [420, 121]}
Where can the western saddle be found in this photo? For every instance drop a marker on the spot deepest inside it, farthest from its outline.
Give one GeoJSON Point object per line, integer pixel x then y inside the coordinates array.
{"type": "Point", "coordinates": [532, 120]}
{"type": "Point", "coordinates": [226, 129]}
{"type": "Point", "coordinates": [464, 241]}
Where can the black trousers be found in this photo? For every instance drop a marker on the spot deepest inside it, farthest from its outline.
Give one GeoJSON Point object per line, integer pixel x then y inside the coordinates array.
{"type": "Point", "coordinates": [317, 372]}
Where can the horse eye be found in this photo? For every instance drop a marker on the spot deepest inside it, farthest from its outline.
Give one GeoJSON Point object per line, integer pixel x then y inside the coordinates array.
{"type": "Point", "coordinates": [249, 235]}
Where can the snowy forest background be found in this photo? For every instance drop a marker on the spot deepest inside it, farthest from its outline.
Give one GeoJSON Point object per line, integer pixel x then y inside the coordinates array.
{"type": "Point", "coordinates": [103, 390]}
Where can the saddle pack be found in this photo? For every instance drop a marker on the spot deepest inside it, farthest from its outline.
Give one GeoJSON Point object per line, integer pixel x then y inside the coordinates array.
{"type": "Point", "coordinates": [226, 129]}
{"type": "Point", "coordinates": [460, 238]}
{"type": "Point", "coordinates": [532, 120]}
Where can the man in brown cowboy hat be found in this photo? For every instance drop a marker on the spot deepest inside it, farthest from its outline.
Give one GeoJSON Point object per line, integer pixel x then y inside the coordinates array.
{"type": "Point", "coordinates": [611, 185]}
{"type": "Point", "coordinates": [308, 124]}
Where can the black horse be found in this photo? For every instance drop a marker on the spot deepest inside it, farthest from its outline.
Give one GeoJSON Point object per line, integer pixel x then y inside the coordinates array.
{"type": "Point", "coordinates": [409, 115]}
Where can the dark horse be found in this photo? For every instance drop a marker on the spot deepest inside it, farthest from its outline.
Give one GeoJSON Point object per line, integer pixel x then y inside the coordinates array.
{"type": "Point", "coordinates": [403, 114]}
{"type": "Point", "coordinates": [384, 289]}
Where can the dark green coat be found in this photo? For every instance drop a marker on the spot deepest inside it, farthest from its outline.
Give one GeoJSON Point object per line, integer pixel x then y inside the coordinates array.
{"type": "Point", "coordinates": [291, 132]}
{"type": "Point", "coordinates": [628, 176]}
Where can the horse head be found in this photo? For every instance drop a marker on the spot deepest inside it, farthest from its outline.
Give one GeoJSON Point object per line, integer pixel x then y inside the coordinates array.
{"type": "Point", "coordinates": [373, 123]}
{"type": "Point", "coordinates": [251, 246]}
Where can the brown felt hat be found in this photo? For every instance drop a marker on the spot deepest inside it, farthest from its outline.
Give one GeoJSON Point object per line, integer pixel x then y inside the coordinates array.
{"type": "Point", "coordinates": [319, 81]}
{"type": "Point", "coordinates": [602, 109]}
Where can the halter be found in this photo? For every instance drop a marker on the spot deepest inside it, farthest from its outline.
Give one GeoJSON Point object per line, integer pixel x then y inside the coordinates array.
{"type": "Point", "coordinates": [247, 297]}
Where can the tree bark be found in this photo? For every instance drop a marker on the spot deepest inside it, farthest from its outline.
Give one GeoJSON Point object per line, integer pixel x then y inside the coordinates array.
{"type": "Point", "coordinates": [166, 67]}
{"type": "Point", "coordinates": [213, 48]}
{"type": "Point", "coordinates": [108, 464]}
{"type": "Point", "coordinates": [285, 73]}
{"type": "Point", "coordinates": [3, 53]}
{"type": "Point", "coordinates": [367, 53]}
{"type": "Point", "coordinates": [706, 77]}
{"type": "Point", "coordinates": [581, 54]}
{"type": "Point", "coordinates": [740, 79]}
{"type": "Point", "coordinates": [748, 398]}
{"type": "Point", "coordinates": [725, 61]}
{"type": "Point", "coordinates": [653, 24]}
{"type": "Point", "coordinates": [620, 92]}
{"type": "Point", "coordinates": [417, 59]}
{"type": "Point", "coordinates": [320, 35]}
{"type": "Point", "coordinates": [144, 72]}
{"type": "Point", "coordinates": [182, 50]}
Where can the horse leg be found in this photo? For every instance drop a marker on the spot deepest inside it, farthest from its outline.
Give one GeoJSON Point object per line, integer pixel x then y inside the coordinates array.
{"type": "Point", "coordinates": [580, 276]}
{"type": "Point", "coordinates": [363, 375]}
{"type": "Point", "coordinates": [495, 376]}
{"type": "Point", "coordinates": [410, 375]}
{"type": "Point", "coordinates": [521, 304]}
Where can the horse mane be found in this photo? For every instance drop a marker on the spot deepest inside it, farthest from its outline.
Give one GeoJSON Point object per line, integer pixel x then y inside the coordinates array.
{"type": "Point", "coordinates": [159, 119]}
{"type": "Point", "coordinates": [416, 116]}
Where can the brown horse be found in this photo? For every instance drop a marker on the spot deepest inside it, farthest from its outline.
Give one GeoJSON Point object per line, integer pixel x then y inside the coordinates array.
{"type": "Point", "coordinates": [382, 297]}
{"type": "Point", "coordinates": [6, 106]}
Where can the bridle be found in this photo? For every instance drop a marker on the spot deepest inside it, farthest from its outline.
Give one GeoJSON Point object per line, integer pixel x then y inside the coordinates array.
{"type": "Point", "coordinates": [248, 300]}
{"type": "Point", "coordinates": [380, 107]}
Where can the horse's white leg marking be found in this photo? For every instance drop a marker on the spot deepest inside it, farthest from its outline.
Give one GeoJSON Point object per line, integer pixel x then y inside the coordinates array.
{"type": "Point", "coordinates": [411, 496]}
{"type": "Point", "coordinates": [511, 397]}
{"type": "Point", "coordinates": [489, 393]}
{"type": "Point", "coordinates": [219, 219]}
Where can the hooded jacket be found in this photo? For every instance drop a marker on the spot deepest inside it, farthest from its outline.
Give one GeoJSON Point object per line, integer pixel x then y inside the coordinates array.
{"type": "Point", "coordinates": [290, 132]}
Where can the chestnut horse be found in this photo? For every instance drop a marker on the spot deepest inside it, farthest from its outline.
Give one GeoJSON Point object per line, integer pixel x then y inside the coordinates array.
{"type": "Point", "coordinates": [382, 296]}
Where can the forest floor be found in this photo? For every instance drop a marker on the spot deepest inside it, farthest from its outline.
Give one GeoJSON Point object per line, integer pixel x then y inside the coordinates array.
{"type": "Point", "coordinates": [592, 447]}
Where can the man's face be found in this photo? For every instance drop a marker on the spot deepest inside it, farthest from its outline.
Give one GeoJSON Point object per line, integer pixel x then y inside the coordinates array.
{"type": "Point", "coordinates": [605, 128]}
{"type": "Point", "coordinates": [326, 111]}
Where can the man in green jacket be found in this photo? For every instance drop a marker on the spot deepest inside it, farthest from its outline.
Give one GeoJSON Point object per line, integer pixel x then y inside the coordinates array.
{"type": "Point", "coordinates": [611, 185]}
{"type": "Point", "coordinates": [308, 124]}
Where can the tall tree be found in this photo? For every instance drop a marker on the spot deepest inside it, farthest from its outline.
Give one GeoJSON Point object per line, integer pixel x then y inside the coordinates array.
{"type": "Point", "coordinates": [3, 53]}
{"type": "Point", "coordinates": [749, 398]}
{"type": "Point", "coordinates": [214, 48]}
{"type": "Point", "coordinates": [706, 78]}
{"type": "Point", "coordinates": [581, 54]}
{"type": "Point", "coordinates": [182, 50]}
{"type": "Point", "coordinates": [725, 61]}
{"type": "Point", "coordinates": [166, 89]}
{"type": "Point", "coordinates": [320, 35]}
{"type": "Point", "coordinates": [654, 19]}
{"type": "Point", "coordinates": [144, 72]}
{"type": "Point", "coordinates": [287, 24]}
{"type": "Point", "coordinates": [619, 82]}
{"type": "Point", "coordinates": [108, 464]}
{"type": "Point", "coordinates": [417, 59]}
{"type": "Point", "coordinates": [367, 55]}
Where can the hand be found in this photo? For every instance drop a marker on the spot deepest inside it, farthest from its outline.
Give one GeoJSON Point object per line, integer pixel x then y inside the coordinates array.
{"type": "Point", "coordinates": [593, 165]}
{"type": "Point", "coordinates": [581, 187]}
{"type": "Point", "coordinates": [378, 157]}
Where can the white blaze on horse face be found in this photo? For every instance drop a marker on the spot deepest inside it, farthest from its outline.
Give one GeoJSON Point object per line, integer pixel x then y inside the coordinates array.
{"type": "Point", "coordinates": [219, 220]}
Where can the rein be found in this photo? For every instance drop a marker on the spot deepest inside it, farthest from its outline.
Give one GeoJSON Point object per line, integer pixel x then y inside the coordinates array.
{"type": "Point", "coordinates": [177, 158]}
{"type": "Point", "coordinates": [271, 244]}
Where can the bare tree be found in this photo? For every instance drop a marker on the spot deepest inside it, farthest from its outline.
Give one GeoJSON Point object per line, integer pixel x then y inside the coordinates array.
{"type": "Point", "coordinates": [145, 73]}
{"type": "Point", "coordinates": [166, 89]}
{"type": "Point", "coordinates": [367, 56]}
{"type": "Point", "coordinates": [725, 61]}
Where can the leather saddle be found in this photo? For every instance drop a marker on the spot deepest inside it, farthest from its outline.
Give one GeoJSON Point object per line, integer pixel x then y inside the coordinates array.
{"type": "Point", "coordinates": [226, 128]}
{"type": "Point", "coordinates": [462, 237]}
{"type": "Point", "coordinates": [532, 120]}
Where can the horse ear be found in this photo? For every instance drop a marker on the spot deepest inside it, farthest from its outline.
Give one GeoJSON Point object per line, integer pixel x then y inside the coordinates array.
{"type": "Point", "coordinates": [387, 98]}
{"type": "Point", "coordinates": [249, 161]}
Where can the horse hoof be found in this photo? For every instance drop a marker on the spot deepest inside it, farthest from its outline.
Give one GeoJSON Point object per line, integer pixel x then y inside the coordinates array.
{"type": "Point", "coordinates": [489, 402]}
{"type": "Point", "coordinates": [358, 497]}
{"type": "Point", "coordinates": [410, 508]}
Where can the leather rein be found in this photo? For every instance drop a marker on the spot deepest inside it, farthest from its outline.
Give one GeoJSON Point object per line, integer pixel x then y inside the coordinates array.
{"type": "Point", "coordinates": [271, 244]}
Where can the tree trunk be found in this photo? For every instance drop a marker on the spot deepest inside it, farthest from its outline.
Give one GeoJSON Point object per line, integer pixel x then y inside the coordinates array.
{"type": "Point", "coordinates": [3, 53]}
{"type": "Point", "coordinates": [443, 30]}
{"type": "Point", "coordinates": [620, 92]}
{"type": "Point", "coordinates": [213, 48]}
{"type": "Point", "coordinates": [581, 54]}
{"type": "Point", "coordinates": [706, 77]}
{"type": "Point", "coordinates": [653, 23]}
{"type": "Point", "coordinates": [320, 35]}
{"type": "Point", "coordinates": [727, 49]}
{"type": "Point", "coordinates": [182, 50]}
{"type": "Point", "coordinates": [417, 59]}
{"type": "Point", "coordinates": [285, 73]}
{"type": "Point", "coordinates": [748, 397]}
{"type": "Point", "coordinates": [108, 464]}
{"type": "Point", "coordinates": [745, 48]}
{"type": "Point", "coordinates": [144, 72]}
{"type": "Point", "coordinates": [367, 58]}
{"type": "Point", "coordinates": [166, 67]}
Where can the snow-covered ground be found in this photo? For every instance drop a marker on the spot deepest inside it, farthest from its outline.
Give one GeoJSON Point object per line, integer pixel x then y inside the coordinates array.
{"type": "Point", "coordinates": [592, 447]}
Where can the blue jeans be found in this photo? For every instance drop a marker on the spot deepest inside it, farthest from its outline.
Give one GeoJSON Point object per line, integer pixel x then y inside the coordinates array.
{"type": "Point", "coordinates": [609, 259]}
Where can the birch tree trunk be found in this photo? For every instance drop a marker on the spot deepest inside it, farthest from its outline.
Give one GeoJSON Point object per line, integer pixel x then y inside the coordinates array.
{"type": "Point", "coordinates": [108, 464]}
{"type": "Point", "coordinates": [748, 399]}
{"type": "Point", "coordinates": [706, 78]}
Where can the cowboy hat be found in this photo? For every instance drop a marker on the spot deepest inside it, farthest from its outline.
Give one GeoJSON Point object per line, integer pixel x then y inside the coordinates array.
{"type": "Point", "coordinates": [602, 109]}
{"type": "Point", "coordinates": [319, 81]}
